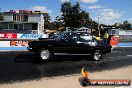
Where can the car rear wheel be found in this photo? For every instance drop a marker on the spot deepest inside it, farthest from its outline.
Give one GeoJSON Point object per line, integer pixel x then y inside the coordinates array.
{"type": "Point", "coordinates": [45, 55]}
{"type": "Point", "coordinates": [97, 55]}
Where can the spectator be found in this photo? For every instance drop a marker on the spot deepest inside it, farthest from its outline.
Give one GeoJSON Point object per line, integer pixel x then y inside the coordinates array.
{"type": "Point", "coordinates": [106, 37]}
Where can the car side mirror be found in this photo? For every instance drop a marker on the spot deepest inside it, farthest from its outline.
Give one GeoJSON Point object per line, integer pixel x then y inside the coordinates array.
{"type": "Point", "coordinates": [93, 40]}
{"type": "Point", "coordinates": [78, 42]}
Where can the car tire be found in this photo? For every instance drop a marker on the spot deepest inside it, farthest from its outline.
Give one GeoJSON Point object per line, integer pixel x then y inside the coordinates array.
{"type": "Point", "coordinates": [97, 55]}
{"type": "Point", "coordinates": [45, 55]}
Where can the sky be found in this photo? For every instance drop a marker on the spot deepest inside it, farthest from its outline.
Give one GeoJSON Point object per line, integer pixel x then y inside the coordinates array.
{"type": "Point", "coordinates": [102, 11]}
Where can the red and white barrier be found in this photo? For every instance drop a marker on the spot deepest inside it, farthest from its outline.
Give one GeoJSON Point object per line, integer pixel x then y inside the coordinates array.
{"type": "Point", "coordinates": [8, 35]}
{"type": "Point", "coordinates": [16, 39]}
{"type": "Point", "coordinates": [114, 41]}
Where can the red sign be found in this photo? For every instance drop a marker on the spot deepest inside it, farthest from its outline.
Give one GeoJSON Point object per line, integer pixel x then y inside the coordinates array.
{"type": "Point", "coordinates": [8, 35]}
{"type": "Point", "coordinates": [114, 40]}
{"type": "Point", "coordinates": [25, 11]}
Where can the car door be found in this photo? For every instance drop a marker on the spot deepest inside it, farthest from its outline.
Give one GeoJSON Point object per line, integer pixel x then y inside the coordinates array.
{"type": "Point", "coordinates": [71, 42]}
{"type": "Point", "coordinates": [68, 44]}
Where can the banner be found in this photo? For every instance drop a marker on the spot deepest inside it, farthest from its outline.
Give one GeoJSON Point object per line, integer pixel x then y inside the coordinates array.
{"type": "Point", "coordinates": [28, 36]}
{"type": "Point", "coordinates": [4, 43]}
{"type": "Point", "coordinates": [125, 32]}
{"type": "Point", "coordinates": [18, 43]}
{"type": "Point", "coordinates": [8, 35]}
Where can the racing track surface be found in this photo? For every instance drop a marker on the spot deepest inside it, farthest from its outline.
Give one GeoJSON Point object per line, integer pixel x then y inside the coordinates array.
{"type": "Point", "coordinates": [23, 65]}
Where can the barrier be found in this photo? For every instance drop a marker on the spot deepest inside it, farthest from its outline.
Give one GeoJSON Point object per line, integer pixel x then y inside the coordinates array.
{"type": "Point", "coordinates": [8, 35]}
{"type": "Point", "coordinates": [13, 49]}
{"type": "Point", "coordinates": [28, 36]}
{"type": "Point", "coordinates": [4, 43]}
{"type": "Point", "coordinates": [114, 40]}
{"type": "Point", "coordinates": [18, 40]}
{"type": "Point", "coordinates": [18, 43]}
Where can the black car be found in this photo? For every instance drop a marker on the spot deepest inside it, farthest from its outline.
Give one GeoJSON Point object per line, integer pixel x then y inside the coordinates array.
{"type": "Point", "coordinates": [71, 43]}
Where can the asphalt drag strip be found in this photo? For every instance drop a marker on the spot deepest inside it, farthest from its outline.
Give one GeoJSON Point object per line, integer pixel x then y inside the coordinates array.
{"type": "Point", "coordinates": [24, 65]}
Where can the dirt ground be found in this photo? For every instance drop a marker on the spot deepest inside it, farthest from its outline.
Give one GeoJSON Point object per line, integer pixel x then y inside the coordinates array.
{"type": "Point", "coordinates": [71, 81]}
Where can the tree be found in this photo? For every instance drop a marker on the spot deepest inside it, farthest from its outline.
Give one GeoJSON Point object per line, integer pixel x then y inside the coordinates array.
{"type": "Point", "coordinates": [58, 22]}
{"type": "Point", "coordinates": [74, 16]}
{"type": "Point", "coordinates": [65, 9]}
{"type": "Point", "coordinates": [47, 20]}
{"type": "Point", "coordinates": [84, 19]}
{"type": "Point", "coordinates": [1, 17]}
{"type": "Point", "coordinates": [118, 25]}
{"type": "Point", "coordinates": [126, 25]}
{"type": "Point", "coordinates": [93, 25]}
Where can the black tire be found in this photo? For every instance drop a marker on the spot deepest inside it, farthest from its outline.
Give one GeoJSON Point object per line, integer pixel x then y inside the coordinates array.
{"type": "Point", "coordinates": [97, 55]}
{"type": "Point", "coordinates": [45, 55]}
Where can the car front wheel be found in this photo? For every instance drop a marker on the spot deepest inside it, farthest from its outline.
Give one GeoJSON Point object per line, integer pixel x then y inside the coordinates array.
{"type": "Point", "coordinates": [45, 55]}
{"type": "Point", "coordinates": [97, 55]}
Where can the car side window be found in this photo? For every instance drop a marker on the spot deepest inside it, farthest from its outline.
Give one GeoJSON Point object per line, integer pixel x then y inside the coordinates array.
{"type": "Point", "coordinates": [86, 38]}
{"type": "Point", "coordinates": [72, 37]}
{"type": "Point", "coordinates": [89, 40]}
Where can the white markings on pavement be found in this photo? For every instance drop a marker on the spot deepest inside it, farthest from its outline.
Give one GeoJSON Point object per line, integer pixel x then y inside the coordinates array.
{"type": "Point", "coordinates": [129, 55]}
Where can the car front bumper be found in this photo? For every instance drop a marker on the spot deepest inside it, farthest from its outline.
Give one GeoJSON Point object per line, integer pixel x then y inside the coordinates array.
{"type": "Point", "coordinates": [29, 48]}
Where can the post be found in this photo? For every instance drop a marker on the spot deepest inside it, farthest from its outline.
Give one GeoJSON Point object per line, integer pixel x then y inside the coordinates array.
{"type": "Point", "coordinates": [38, 28]}
{"type": "Point", "coordinates": [23, 26]}
{"type": "Point", "coordinates": [8, 25]}
{"type": "Point", "coordinates": [98, 27]}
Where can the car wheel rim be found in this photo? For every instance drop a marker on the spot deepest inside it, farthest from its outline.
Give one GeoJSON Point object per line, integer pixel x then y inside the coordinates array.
{"type": "Point", "coordinates": [97, 56]}
{"type": "Point", "coordinates": [45, 54]}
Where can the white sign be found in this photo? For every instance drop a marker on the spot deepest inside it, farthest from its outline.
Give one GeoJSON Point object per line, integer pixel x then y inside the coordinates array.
{"type": "Point", "coordinates": [28, 36]}
{"type": "Point", "coordinates": [125, 32]}
{"type": "Point", "coordinates": [1, 35]}
{"type": "Point", "coordinates": [4, 43]}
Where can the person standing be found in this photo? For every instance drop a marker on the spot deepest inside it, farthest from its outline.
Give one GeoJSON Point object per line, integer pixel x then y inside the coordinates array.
{"type": "Point", "coordinates": [106, 37]}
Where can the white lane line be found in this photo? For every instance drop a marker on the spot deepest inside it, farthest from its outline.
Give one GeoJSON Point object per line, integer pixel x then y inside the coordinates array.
{"type": "Point", "coordinates": [129, 55]}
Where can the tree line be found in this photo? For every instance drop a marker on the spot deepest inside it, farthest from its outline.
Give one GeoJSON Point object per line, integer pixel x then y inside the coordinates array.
{"type": "Point", "coordinates": [74, 16]}
{"type": "Point", "coordinates": [71, 16]}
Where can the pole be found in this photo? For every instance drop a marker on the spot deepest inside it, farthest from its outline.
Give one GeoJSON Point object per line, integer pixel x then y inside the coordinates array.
{"type": "Point", "coordinates": [98, 27]}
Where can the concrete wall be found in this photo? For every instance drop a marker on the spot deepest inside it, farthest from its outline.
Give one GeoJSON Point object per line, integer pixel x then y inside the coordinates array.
{"type": "Point", "coordinates": [34, 18]}
{"type": "Point", "coordinates": [8, 17]}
